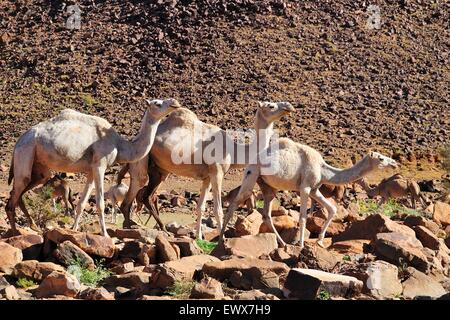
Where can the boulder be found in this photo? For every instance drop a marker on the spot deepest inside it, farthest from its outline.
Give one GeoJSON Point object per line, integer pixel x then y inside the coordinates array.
{"type": "Point", "coordinates": [349, 246]}
{"type": "Point", "coordinates": [412, 221]}
{"type": "Point", "coordinates": [255, 295]}
{"type": "Point", "coordinates": [398, 248]}
{"type": "Point", "coordinates": [282, 222]}
{"type": "Point", "coordinates": [67, 254]}
{"type": "Point", "coordinates": [248, 225]}
{"type": "Point", "coordinates": [188, 246]}
{"type": "Point", "coordinates": [427, 238]}
{"type": "Point", "coordinates": [164, 250]}
{"type": "Point", "coordinates": [9, 257]}
{"type": "Point", "coordinates": [95, 294]}
{"type": "Point", "coordinates": [166, 274]}
{"type": "Point", "coordinates": [58, 283]}
{"type": "Point", "coordinates": [251, 246]}
{"type": "Point", "coordinates": [222, 270]}
{"type": "Point", "coordinates": [30, 244]}
{"type": "Point", "coordinates": [138, 234]}
{"type": "Point", "coordinates": [370, 227]}
{"type": "Point", "coordinates": [207, 288]}
{"type": "Point", "coordinates": [138, 280]}
{"type": "Point", "coordinates": [33, 269]}
{"type": "Point", "coordinates": [19, 232]}
{"type": "Point", "coordinates": [121, 268]}
{"type": "Point", "coordinates": [314, 225]}
{"type": "Point", "coordinates": [306, 284]}
{"type": "Point", "coordinates": [380, 278]}
{"type": "Point", "coordinates": [142, 253]}
{"type": "Point", "coordinates": [255, 278]}
{"type": "Point", "coordinates": [3, 282]}
{"type": "Point", "coordinates": [419, 284]}
{"type": "Point", "coordinates": [89, 243]}
{"type": "Point", "coordinates": [316, 257]}
{"type": "Point", "coordinates": [9, 293]}
{"type": "Point", "coordinates": [441, 213]}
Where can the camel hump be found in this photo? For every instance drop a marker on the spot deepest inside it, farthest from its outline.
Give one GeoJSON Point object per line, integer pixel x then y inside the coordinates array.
{"type": "Point", "coordinates": [71, 114]}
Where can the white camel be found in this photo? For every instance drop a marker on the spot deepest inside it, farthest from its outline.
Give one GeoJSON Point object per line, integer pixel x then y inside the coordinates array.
{"type": "Point", "coordinates": [76, 142]}
{"type": "Point", "coordinates": [177, 130]}
{"type": "Point", "coordinates": [298, 167]}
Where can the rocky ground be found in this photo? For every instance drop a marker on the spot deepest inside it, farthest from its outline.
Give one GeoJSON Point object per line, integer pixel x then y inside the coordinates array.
{"type": "Point", "coordinates": [402, 254]}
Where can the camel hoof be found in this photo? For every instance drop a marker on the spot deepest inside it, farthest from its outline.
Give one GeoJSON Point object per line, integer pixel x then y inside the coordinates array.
{"type": "Point", "coordinates": [320, 243]}
{"type": "Point", "coordinates": [130, 224]}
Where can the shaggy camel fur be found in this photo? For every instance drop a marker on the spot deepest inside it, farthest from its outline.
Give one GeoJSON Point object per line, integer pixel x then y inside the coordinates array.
{"type": "Point", "coordinates": [179, 126]}
{"type": "Point", "coordinates": [301, 168]}
{"type": "Point", "coordinates": [76, 142]}
{"type": "Point", "coordinates": [395, 187]}
{"type": "Point", "coordinates": [60, 189]}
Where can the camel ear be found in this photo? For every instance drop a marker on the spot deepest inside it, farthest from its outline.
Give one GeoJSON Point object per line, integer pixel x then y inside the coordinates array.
{"type": "Point", "coordinates": [148, 101]}
{"type": "Point", "coordinates": [260, 104]}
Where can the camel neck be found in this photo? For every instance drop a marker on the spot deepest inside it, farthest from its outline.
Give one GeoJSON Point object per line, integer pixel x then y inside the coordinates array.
{"type": "Point", "coordinates": [139, 147]}
{"type": "Point", "coordinates": [264, 131]}
{"type": "Point", "coordinates": [335, 176]}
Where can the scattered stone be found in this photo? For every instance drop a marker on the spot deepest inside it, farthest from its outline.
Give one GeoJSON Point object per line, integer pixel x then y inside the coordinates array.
{"type": "Point", "coordinates": [122, 268]}
{"type": "Point", "coordinates": [314, 225]}
{"type": "Point", "coordinates": [30, 244]}
{"type": "Point", "coordinates": [255, 295]}
{"type": "Point", "coordinates": [188, 246]}
{"type": "Point", "coordinates": [207, 288]}
{"type": "Point", "coordinates": [95, 294]}
{"type": "Point", "coordinates": [305, 284]}
{"type": "Point", "coordinates": [89, 243]}
{"type": "Point", "coordinates": [167, 273]}
{"type": "Point", "coordinates": [281, 223]}
{"type": "Point", "coordinates": [139, 280]}
{"type": "Point", "coordinates": [165, 251]}
{"type": "Point", "coordinates": [251, 246]}
{"type": "Point", "coordinates": [419, 284]}
{"type": "Point", "coordinates": [412, 221]}
{"type": "Point", "coordinates": [349, 246]}
{"type": "Point", "coordinates": [380, 278]}
{"type": "Point", "coordinates": [248, 225]}
{"type": "Point", "coordinates": [66, 253]}
{"type": "Point", "coordinates": [398, 248]}
{"type": "Point", "coordinates": [33, 269]}
{"type": "Point", "coordinates": [9, 257]}
{"type": "Point", "coordinates": [316, 257]}
{"type": "Point", "coordinates": [19, 232]}
{"type": "Point", "coordinates": [370, 227]}
{"type": "Point", "coordinates": [9, 293]}
{"type": "Point", "coordinates": [58, 283]}
{"type": "Point", "coordinates": [142, 253]}
{"type": "Point", "coordinates": [427, 237]}
{"type": "Point", "coordinates": [441, 213]}
{"type": "Point", "coordinates": [137, 233]}
{"type": "Point", "coordinates": [178, 201]}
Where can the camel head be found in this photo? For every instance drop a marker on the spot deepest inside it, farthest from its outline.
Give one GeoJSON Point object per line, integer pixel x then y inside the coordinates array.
{"type": "Point", "coordinates": [158, 109]}
{"type": "Point", "coordinates": [382, 161]}
{"type": "Point", "coordinates": [273, 111]}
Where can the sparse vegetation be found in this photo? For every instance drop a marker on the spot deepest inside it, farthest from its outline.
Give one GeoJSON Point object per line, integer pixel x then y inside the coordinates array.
{"type": "Point", "coordinates": [259, 204]}
{"type": "Point", "coordinates": [390, 208]}
{"type": "Point", "coordinates": [180, 289]}
{"type": "Point", "coordinates": [346, 258]}
{"type": "Point", "coordinates": [89, 277]}
{"type": "Point", "coordinates": [40, 207]}
{"type": "Point", "coordinates": [25, 283]}
{"type": "Point", "coordinates": [88, 100]}
{"type": "Point", "coordinates": [206, 246]}
{"type": "Point", "coordinates": [324, 295]}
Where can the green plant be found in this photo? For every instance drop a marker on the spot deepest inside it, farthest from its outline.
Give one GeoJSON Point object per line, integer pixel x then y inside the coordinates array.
{"type": "Point", "coordinates": [206, 246]}
{"type": "Point", "coordinates": [180, 289]}
{"type": "Point", "coordinates": [25, 283]}
{"type": "Point", "coordinates": [324, 295]}
{"type": "Point", "coordinates": [259, 204]}
{"type": "Point", "coordinates": [89, 277]}
{"type": "Point", "coordinates": [346, 258]}
{"type": "Point", "coordinates": [41, 209]}
{"type": "Point", "coordinates": [368, 206]}
{"type": "Point", "coordinates": [88, 100]}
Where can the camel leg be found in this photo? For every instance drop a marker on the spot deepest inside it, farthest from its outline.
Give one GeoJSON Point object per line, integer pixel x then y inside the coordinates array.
{"type": "Point", "coordinates": [304, 195]}
{"type": "Point", "coordinates": [150, 199]}
{"type": "Point", "coordinates": [331, 209]}
{"type": "Point", "coordinates": [216, 183]}
{"type": "Point", "coordinates": [269, 194]}
{"type": "Point", "coordinates": [66, 202]}
{"type": "Point", "coordinates": [99, 175]}
{"type": "Point", "coordinates": [201, 205]}
{"type": "Point", "coordinates": [136, 183]}
{"type": "Point", "coordinates": [83, 200]}
{"type": "Point", "coordinates": [245, 191]}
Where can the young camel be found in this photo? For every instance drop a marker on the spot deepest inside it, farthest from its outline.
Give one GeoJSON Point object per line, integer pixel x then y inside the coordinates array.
{"type": "Point", "coordinates": [60, 189]}
{"type": "Point", "coordinates": [182, 126]}
{"type": "Point", "coordinates": [249, 203]}
{"type": "Point", "coordinates": [396, 186]}
{"type": "Point", "coordinates": [76, 142]}
{"type": "Point", "coordinates": [297, 167]}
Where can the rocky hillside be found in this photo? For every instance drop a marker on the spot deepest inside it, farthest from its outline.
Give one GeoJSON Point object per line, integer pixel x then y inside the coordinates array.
{"type": "Point", "coordinates": [355, 87]}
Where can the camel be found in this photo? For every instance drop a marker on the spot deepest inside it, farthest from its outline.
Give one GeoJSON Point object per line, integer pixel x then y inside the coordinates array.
{"type": "Point", "coordinates": [300, 168]}
{"type": "Point", "coordinates": [395, 187]}
{"type": "Point", "coordinates": [182, 125]}
{"type": "Point", "coordinates": [60, 189]}
{"type": "Point", "coordinates": [77, 142]}
{"type": "Point", "coordinates": [249, 203]}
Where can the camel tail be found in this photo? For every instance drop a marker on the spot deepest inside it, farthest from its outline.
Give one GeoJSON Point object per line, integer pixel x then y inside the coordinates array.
{"type": "Point", "coordinates": [122, 173]}
{"type": "Point", "coordinates": [11, 171]}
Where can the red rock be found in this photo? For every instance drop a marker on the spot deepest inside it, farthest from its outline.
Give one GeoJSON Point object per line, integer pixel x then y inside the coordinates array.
{"type": "Point", "coordinates": [427, 237]}
{"type": "Point", "coordinates": [419, 284]}
{"type": "Point", "coordinates": [9, 257]}
{"type": "Point", "coordinates": [412, 221]}
{"type": "Point", "coordinates": [30, 244]}
{"type": "Point", "coordinates": [138, 279]}
{"type": "Point", "coordinates": [441, 213]}
{"type": "Point", "coordinates": [95, 294]}
{"type": "Point", "coordinates": [280, 223]}
{"type": "Point", "coordinates": [316, 257]}
{"type": "Point", "coordinates": [67, 252]}
{"type": "Point", "coordinates": [251, 246]}
{"type": "Point", "coordinates": [9, 293]}
{"type": "Point", "coordinates": [207, 288]}
{"type": "Point", "coordinates": [33, 269]}
{"type": "Point", "coordinates": [58, 283]}
{"type": "Point", "coordinates": [349, 246]}
{"type": "Point", "coordinates": [249, 225]}
{"type": "Point", "coordinates": [89, 243]}
{"type": "Point", "coordinates": [165, 251]}
{"type": "Point", "coordinates": [314, 225]}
